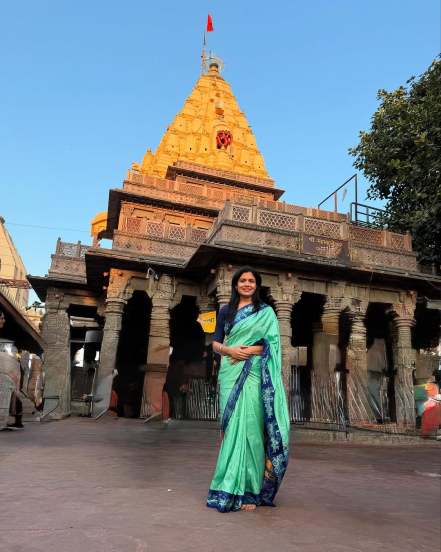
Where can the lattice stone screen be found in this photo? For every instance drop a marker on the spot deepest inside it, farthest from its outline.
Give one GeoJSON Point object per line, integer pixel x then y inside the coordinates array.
{"type": "Point", "coordinates": [155, 229]}
{"type": "Point", "coordinates": [176, 232]}
{"type": "Point", "coordinates": [241, 214]}
{"type": "Point", "coordinates": [322, 228]}
{"type": "Point", "coordinates": [368, 236]}
{"type": "Point", "coordinates": [276, 220]}
{"type": "Point", "coordinates": [398, 242]}
{"type": "Point", "coordinates": [198, 235]}
{"type": "Point", "coordinates": [133, 225]}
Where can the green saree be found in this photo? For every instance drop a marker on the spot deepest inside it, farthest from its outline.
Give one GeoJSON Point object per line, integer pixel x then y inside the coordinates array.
{"type": "Point", "coordinates": [255, 423]}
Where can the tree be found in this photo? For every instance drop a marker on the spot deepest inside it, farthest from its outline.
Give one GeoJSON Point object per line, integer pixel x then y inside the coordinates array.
{"type": "Point", "coordinates": [401, 157]}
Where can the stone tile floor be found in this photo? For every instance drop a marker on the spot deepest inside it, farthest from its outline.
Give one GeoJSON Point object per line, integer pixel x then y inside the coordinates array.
{"type": "Point", "coordinates": [123, 486]}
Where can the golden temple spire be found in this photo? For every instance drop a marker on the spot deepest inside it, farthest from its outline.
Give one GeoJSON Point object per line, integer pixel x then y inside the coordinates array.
{"type": "Point", "coordinates": [210, 130]}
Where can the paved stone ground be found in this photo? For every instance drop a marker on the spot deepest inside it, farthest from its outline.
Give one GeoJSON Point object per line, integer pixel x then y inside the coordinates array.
{"type": "Point", "coordinates": [123, 486]}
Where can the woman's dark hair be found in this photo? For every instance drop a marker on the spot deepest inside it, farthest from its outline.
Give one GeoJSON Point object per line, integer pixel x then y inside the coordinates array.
{"type": "Point", "coordinates": [235, 297]}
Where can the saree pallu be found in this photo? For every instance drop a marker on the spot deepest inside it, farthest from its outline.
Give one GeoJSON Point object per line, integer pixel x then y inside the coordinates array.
{"type": "Point", "coordinates": [253, 456]}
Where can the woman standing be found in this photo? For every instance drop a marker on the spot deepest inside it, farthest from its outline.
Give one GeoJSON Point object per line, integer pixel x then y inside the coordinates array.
{"type": "Point", "coordinates": [254, 416]}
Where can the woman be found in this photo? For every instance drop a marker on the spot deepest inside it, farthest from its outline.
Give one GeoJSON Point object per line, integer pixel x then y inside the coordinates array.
{"type": "Point", "coordinates": [255, 424]}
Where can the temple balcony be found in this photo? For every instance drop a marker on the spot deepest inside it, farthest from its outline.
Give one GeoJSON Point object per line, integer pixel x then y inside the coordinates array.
{"type": "Point", "coordinates": [68, 261]}
{"type": "Point", "coordinates": [158, 239]}
{"type": "Point", "coordinates": [336, 241]}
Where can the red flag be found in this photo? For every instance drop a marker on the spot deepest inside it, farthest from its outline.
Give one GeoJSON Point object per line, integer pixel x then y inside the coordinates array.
{"type": "Point", "coordinates": [210, 27]}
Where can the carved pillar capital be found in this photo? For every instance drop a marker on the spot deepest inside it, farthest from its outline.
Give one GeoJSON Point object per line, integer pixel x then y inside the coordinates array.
{"type": "Point", "coordinates": [118, 287]}
{"type": "Point", "coordinates": [331, 313]}
{"type": "Point", "coordinates": [404, 312]}
{"type": "Point", "coordinates": [287, 291]}
{"type": "Point", "coordinates": [223, 292]}
{"type": "Point", "coordinates": [357, 315]}
{"type": "Point", "coordinates": [54, 300]}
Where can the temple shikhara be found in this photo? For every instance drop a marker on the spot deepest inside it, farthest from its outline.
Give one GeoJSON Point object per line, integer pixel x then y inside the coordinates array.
{"type": "Point", "coordinates": [353, 306]}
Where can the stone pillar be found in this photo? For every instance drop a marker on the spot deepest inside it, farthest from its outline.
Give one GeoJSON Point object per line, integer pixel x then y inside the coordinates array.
{"type": "Point", "coordinates": [109, 350]}
{"type": "Point", "coordinates": [223, 292]}
{"type": "Point", "coordinates": [285, 296]}
{"type": "Point", "coordinates": [404, 357]}
{"type": "Point", "coordinates": [159, 348]}
{"type": "Point", "coordinates": [57, 364]}
{"type": "Point", "coordinates": [359, 405]}
{"type": "Point", "coordinates": [326, 356]}
{"type": "Point", "coordinates": [117, 295]}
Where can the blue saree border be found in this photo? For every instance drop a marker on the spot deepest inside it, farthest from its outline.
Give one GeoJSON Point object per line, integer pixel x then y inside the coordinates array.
{"type": "Point", "coordinates": [276, 461]}
{"type": "Point", "coordinates": [242, 314]}
{"type": "Point", "coordinates": [227, 502]}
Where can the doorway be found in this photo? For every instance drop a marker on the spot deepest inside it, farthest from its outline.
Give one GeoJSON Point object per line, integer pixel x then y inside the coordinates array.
{"type": "Point", "coordinates": [132, 356]}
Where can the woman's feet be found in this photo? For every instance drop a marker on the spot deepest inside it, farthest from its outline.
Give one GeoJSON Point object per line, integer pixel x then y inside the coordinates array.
{"type": "Point", "coordinates": [248, 507]}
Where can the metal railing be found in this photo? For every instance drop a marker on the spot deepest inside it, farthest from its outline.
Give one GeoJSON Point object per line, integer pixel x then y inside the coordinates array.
{"type": "Point", "coordinates": [366, 215]}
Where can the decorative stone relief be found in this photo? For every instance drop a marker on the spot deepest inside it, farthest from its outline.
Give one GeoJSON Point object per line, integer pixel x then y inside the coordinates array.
{"type": "Point", "coordinates": [366, 255]}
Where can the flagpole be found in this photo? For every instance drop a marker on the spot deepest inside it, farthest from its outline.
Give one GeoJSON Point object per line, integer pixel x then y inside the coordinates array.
{"type": "Point", "coordinates": [208, 29]}
{"type": "Point", "coordinates": [204, 42]}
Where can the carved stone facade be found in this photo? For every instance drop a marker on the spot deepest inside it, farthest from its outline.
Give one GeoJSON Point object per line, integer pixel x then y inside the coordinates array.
{"type": "Point", "coordinates": [182, 222]}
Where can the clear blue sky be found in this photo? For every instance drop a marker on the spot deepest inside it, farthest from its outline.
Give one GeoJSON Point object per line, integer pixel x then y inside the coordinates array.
{"type": "Point", "coordinates": [87, 86]}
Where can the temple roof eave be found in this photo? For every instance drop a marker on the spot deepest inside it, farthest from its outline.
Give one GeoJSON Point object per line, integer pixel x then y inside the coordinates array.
{"type": "Point", "coordinates": [223, 177]}
{"type": "Point", "coordinates": [40, 284]}
{"type": "Point", "coordinates": [117, 195]}
{"type": "Point", "coordinates": [208, 256]}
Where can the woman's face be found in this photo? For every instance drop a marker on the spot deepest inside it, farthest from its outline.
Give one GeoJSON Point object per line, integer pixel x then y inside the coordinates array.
{"type": "Point", "coordinates": [246, 285]}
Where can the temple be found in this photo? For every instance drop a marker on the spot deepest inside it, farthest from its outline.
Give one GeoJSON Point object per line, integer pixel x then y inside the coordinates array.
{"type": "Point", "coordinates": [352, 303]}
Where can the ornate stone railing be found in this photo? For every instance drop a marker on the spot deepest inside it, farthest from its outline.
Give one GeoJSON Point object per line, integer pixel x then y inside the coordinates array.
{"type": "Point", "coordinates": [68, 261]}
{"type": "Point", "coordinates": [242, 223]}
{"type": "Point", "coordinates": [311, 236]}
{"type": "Point", "coordinates": [153, 246]}
{"type": "Point", "coordinates": [141, 227]}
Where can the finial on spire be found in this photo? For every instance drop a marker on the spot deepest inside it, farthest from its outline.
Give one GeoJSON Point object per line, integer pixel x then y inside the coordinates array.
{"type": "Point", "coordinates": [211, 64]}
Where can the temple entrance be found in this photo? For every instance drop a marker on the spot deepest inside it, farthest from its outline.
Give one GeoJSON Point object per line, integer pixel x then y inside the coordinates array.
{"type": "Point", "coordinates": [131, 356]}
{"type": "Point", "coordinates": [305, 321]}
{"type": "Point", "coordinates": [86, 333]}
{"type": "Point", "coordinates": [189, 393]}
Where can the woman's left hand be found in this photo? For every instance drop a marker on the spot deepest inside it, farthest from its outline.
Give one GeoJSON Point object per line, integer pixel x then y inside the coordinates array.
{"type": "Point", "coordinates": [253, 349]}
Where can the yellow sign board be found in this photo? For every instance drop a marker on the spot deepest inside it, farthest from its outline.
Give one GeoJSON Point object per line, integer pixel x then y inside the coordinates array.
{"type": "Point", "coordinates": [208, 321]}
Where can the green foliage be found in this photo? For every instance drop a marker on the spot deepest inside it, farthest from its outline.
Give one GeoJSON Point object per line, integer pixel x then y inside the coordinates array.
{"type": "Point", "coordinates": [401, 157]}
